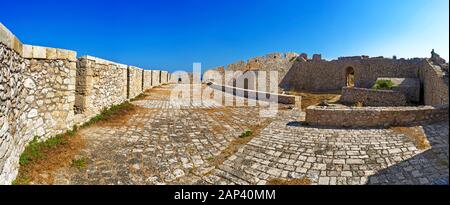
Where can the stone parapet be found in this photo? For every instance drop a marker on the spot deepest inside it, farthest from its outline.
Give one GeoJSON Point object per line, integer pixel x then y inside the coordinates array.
{"type": "Point", "coordinates": [372, 97]}
{"type": "Point", "coordinates": [375, 116]}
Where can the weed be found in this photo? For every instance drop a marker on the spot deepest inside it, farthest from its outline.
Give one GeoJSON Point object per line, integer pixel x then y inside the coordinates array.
{"type": "Point", "coordinates": [383, 85]}
{"type": "Point", "coordinates": [245, 134]}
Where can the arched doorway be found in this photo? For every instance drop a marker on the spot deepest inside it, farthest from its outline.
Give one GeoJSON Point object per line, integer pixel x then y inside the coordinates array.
{"type": "Point", "coordinates": [246, 83]}
{"type": "Point", "coordinates": [350, 77]}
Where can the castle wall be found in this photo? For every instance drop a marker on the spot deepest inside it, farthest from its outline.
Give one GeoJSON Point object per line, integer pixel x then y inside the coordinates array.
{"type": "Point", "coordinates": [374, 116]}
{"type": "Point", "coordinates": [435, 84]}
{"type": "Point", "coordinates": [147, 79]}
{"type": "Point", "coordinates": [45, 91]}
{"type": "Point", "coordinates": [100, 84]}
{"type": "Point", "coordinates": [37, 98]}
{"type": "Point", "coordinates": [164, 77]}
{"type": "Point", "coordinates": [331, 75]}
{"type": "Point", "coordinates": [134, 81]}
{"type": "Point", "coordinates": [156, 77]}
{"type": "Point", "coordinates": [372, 97]}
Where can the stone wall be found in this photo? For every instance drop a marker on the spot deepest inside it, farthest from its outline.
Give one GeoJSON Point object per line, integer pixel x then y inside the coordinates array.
{"type": "Point", "coordinates": [147, 79]}
{"type": "Point", "coordinates": [408, 86]}
{"type": "Point", "coordinates": [45, 91]}
{"type": "Point", "coordinates": [156, 79]}
{"type": "Point", "coordinates": [375, 116]}
{"type": "Point", "coordinates": [13, 115]}
{"type": "Point", "coordinates": [37, 97]}
{"type": "Point", "coordinates": [271, 62]}
{"type": "Point", "coordinates": [134, 81]}
{"type": "Point", "coordinates": [331, 75]}
{"type": "Point", "coordinates": [100, 84]}
{"type": "Point", "coordinates": [435, 84]}
{"type": "Point", "coordinates": [164, 77]}
{"type": "Point", "coordinates": [253, 94]}
{"type": "Point", "coordinates": [372, 97]}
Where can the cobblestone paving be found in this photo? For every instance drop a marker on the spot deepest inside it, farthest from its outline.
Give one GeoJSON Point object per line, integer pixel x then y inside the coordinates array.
{"type": "Point", "coordinates": [165, 145]}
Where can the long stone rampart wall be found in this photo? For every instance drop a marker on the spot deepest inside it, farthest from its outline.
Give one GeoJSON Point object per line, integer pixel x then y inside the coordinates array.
{"type": "Point", "coordinates": [375, 116]}
{"type": "Point", "coordinates": [45, 91]}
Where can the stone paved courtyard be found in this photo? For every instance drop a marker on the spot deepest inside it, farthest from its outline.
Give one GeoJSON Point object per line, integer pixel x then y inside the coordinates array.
{"type": "Point", "coordinates": [167, 144]}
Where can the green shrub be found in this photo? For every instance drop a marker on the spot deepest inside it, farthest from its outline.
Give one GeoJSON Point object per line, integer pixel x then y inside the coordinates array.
{"type": "Point", "coordinates": [245, 134]}
{"type": "Point", "coordinates": [383, 85]}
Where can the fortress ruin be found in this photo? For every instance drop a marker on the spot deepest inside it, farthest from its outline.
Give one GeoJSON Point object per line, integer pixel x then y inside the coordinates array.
{"type": "Point", "coordinates": [46, 91]}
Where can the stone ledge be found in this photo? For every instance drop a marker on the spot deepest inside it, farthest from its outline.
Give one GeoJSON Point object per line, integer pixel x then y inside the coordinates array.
{"type": "Point", "coordinates": [10, 40]}
{"type": "Point", "coordinates": [280, 98]}
{"type": "Point", "coordinates": [40, 52]}
{"type": "Point", "coordinates": [375, 116]}
{"type": "Point", "coordinates": [103, 61]}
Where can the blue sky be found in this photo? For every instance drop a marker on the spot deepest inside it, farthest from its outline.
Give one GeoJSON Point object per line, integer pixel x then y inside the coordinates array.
{"type": "Point", "coordinates": [172, 34]}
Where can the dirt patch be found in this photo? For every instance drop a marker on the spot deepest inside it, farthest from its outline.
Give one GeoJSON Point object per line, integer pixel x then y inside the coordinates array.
{"type": "Point", "coordinates": [415, 133]}
{"type": "Point", "coordinates": [309, 99]}
{"type": "Point", "coordinates": [117, 115]}
{"type": "Point", "coordinates": [301, 181]}
{"type": "Point", "coordinates": [40, 170]}
{"type": "Point", "coordinates": [156, 93]}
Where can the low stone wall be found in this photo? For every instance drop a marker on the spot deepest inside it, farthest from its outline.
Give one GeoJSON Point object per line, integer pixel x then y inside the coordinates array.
{"type": "Point", "coordinates": [147, 79]}
{"type": "Point", "coordinates": [283, 99]}
{"type": "Point", "coordinates": [372, 97]}
{"type": "Point", "coordinates": [408, 86]}
{"type": "Point", "coordinates": [156, 79]}
{"type": "Point", "coordinates": [100, 84]}
{"type": "Point", "coordinates": [164, 77]}
{"type": "Point", "coordinates": [134, 81]}
{"type": "Point", "coordinates": [374, 116]}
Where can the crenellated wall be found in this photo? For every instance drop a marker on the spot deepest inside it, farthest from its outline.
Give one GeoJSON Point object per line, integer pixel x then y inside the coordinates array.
{"type": "Point", "coordinates": [45, 91]}
{"type": "Point", "coordinates": [156, 79]}
{"type": "Point", "coordinates": [100, 84]}
{"type": "Point", "coordinates": [37, 98]}
{"type": "Point", "coordinates": [147, 79]}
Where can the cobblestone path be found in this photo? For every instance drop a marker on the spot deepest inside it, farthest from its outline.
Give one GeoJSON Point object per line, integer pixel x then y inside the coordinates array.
{"type": "Point", "coordinates": [168, 144]}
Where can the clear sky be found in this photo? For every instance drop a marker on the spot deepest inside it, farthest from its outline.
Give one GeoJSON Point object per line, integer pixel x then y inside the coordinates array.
{"type": "Point", "coordinates": [171, 34]}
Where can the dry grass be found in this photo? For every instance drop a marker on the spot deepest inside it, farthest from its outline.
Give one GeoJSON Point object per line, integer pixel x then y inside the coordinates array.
{"type": "Point", "coordinates": [309, 99]}
{"type": "Point", "coordinates": [301, 181]}
{"type": "Point", "coordinates": [237, 143]}
{"type": "Point", "coordinates": [117, 115]}
{"type": "Point", "coordinates": [38, 169]}
{"type": "Point", "coordinates": [415, 133]}
{"type": "Point", "coordinates": [156, 93]}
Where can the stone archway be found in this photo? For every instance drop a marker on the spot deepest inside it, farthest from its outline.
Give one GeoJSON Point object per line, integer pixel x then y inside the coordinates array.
{"type": "Point", "coordinates": [350, 77]}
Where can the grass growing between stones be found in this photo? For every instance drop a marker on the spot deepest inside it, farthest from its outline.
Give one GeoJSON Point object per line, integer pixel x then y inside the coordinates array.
{"type": "Point", "coordinates": [79, 163]}
{"type": "Point", "coordinates": [237, 143]}
{"type": "Point", "coordinates": [301, 181]}
{"type": "Point", "coordinates": [115, 115]}
{"type": "Point", "coordinates": [40, 158]}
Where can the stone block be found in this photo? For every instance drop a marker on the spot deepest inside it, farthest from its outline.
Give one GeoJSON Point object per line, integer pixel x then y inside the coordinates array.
{"type": "Point", "coordinates": [39, 52]}
{"type": "Point", "coordinates": [51, 53]}
{"type": "Point", "coordinates": [27, 51]}
{"type": "Point", "coordinates": [62, 54]}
